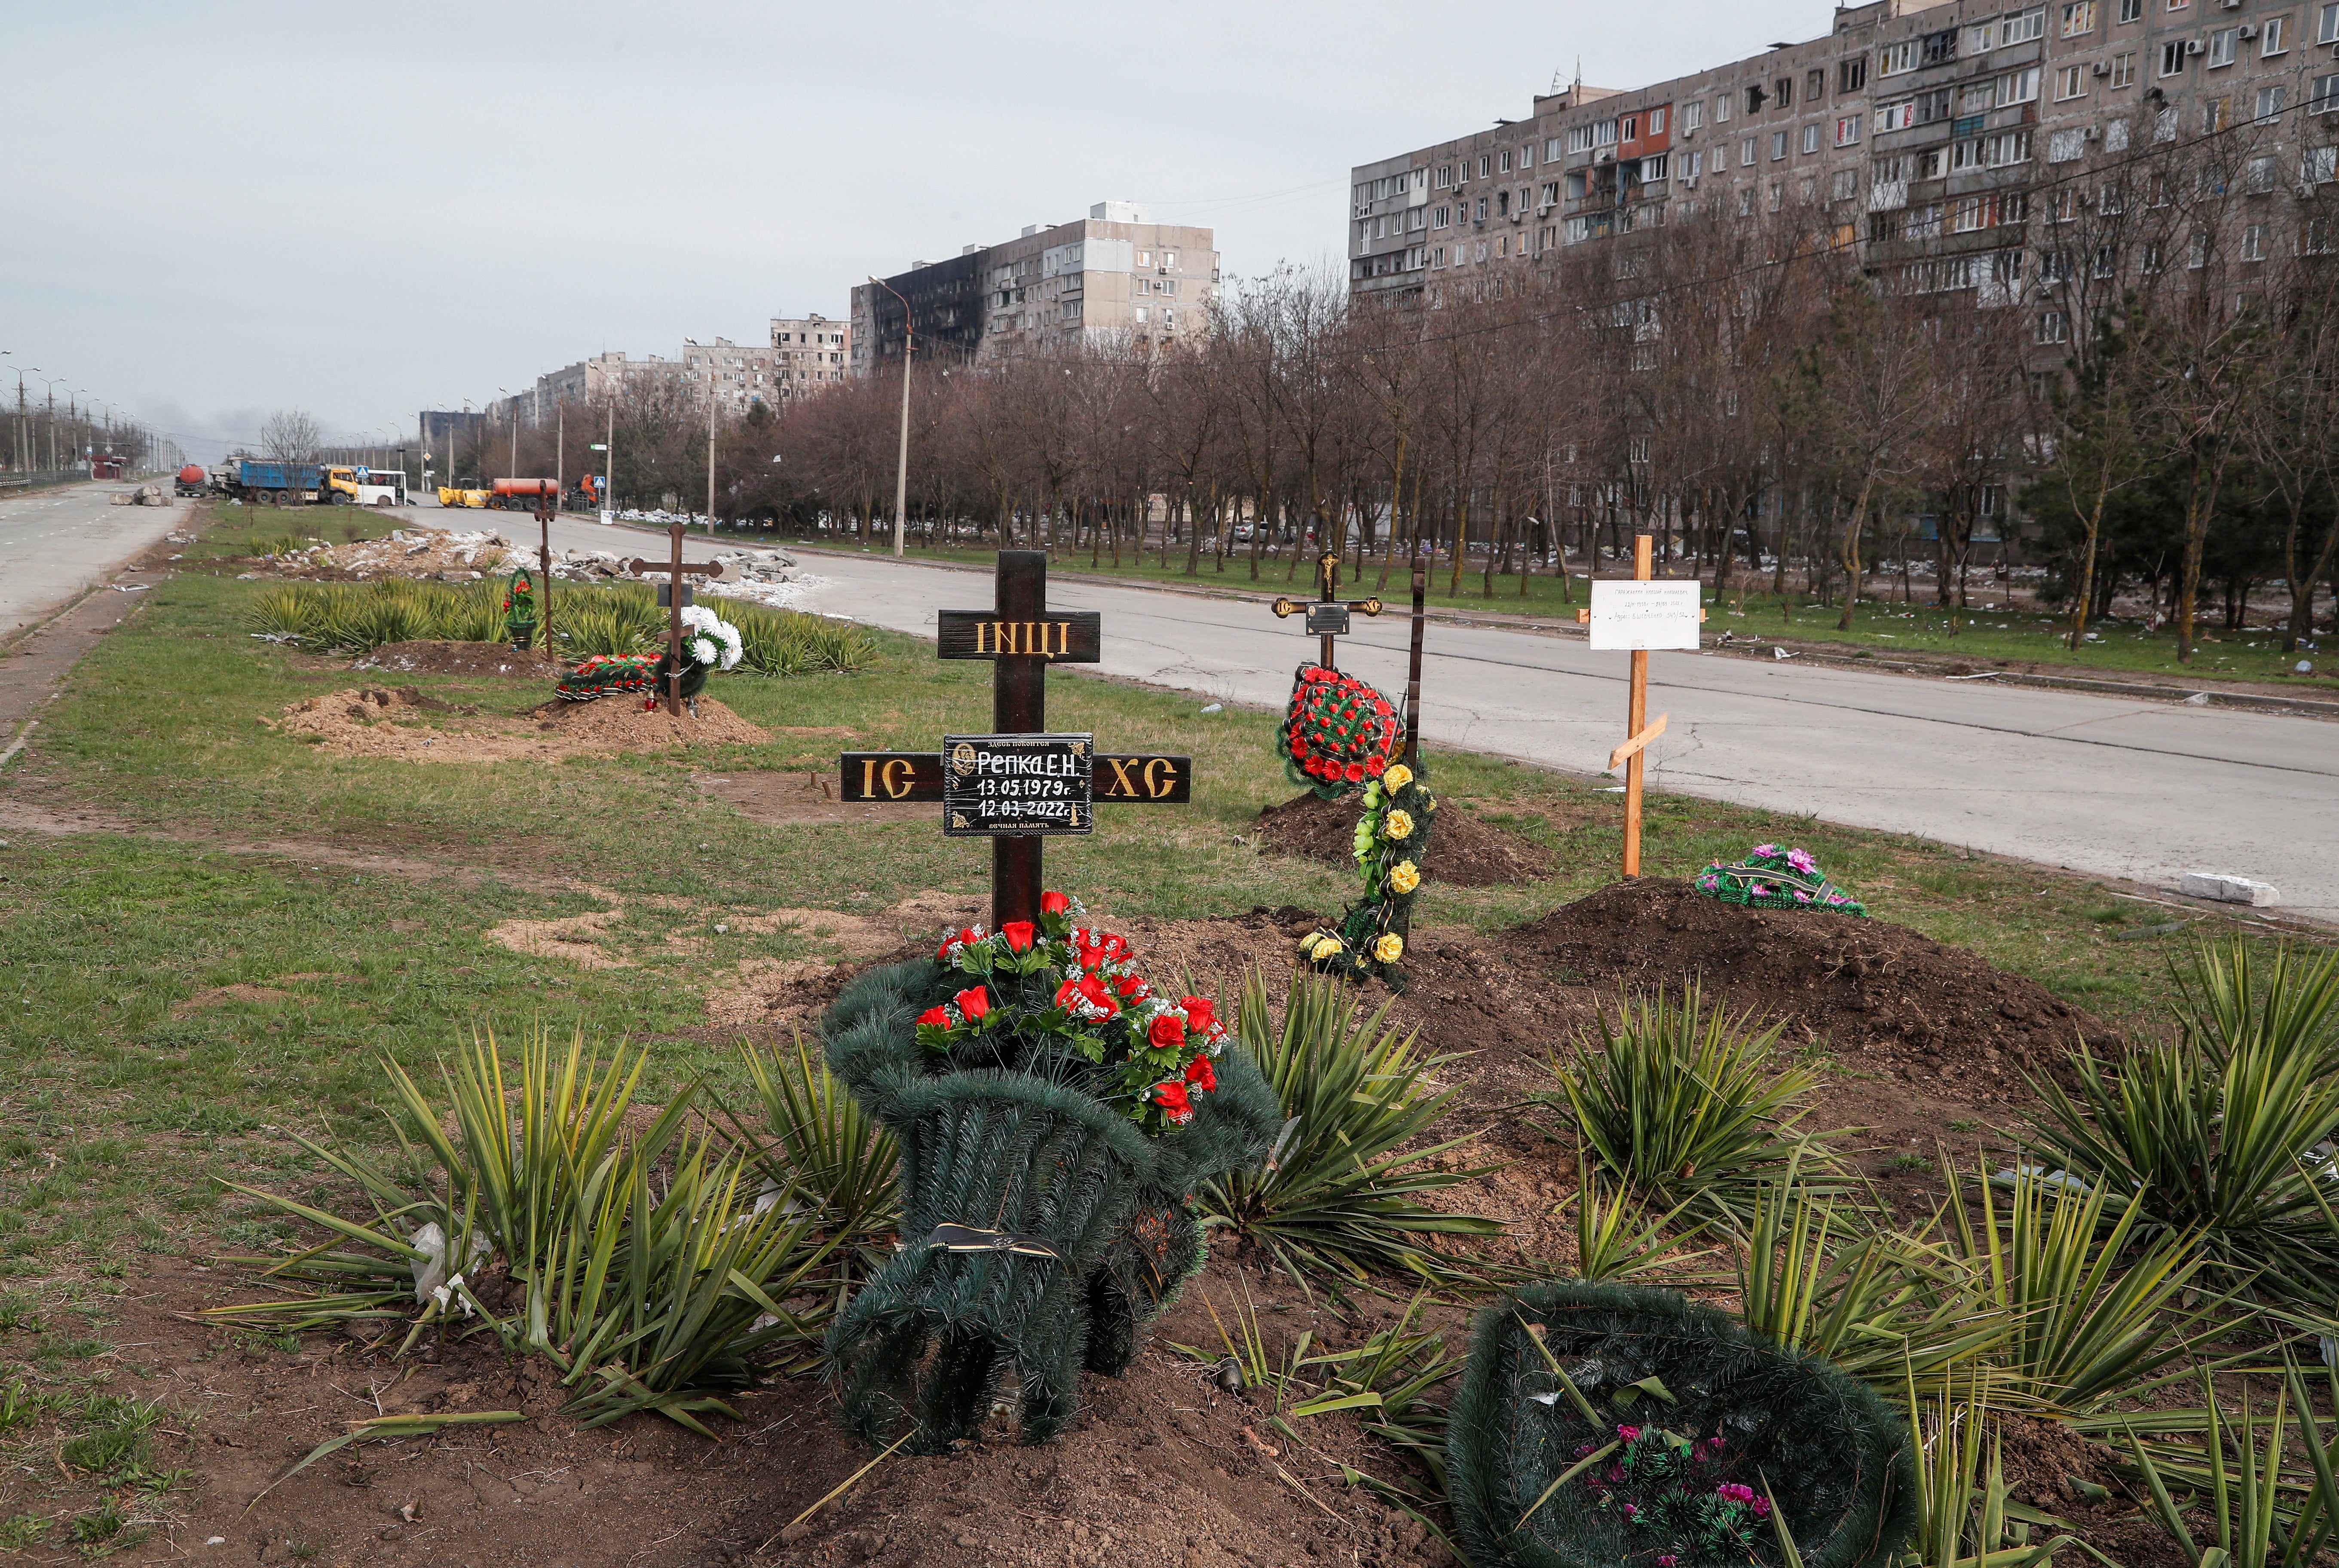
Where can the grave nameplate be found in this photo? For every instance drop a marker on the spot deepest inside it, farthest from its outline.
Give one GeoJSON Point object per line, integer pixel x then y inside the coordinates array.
{"type": "Point", "coordinates": [1018, 784]}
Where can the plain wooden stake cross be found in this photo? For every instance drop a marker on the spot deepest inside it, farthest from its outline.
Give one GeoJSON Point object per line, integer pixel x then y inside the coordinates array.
{"type": "Point", "coordinates": [1638, 729]}
{"type": "Point", "coordinates": [676, 569]}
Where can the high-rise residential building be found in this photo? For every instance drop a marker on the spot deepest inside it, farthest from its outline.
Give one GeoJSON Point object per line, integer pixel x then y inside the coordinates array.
{"type": "Point", "coordinates": [1113, 273]}
{"type": "Point", "coordinates": [1922, 134]}
{"type": "Point", "coordinates": [804, 355]}
{"type": "Point", "coordinates": [809, 354]}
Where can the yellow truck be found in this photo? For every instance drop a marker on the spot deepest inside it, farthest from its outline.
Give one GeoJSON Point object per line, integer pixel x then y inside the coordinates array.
{"type": "Point", "coordinates": [466, 493]}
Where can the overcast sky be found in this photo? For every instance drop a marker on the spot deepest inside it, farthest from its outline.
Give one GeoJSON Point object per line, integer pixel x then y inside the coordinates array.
{"type": "Point", "coordinates": [219, 209]}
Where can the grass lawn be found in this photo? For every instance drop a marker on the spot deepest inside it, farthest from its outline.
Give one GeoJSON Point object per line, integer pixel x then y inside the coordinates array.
{"type": "Point", "coordinates": [172, 1011]}
{"type": "Point", "coordinates": [1981, 636]}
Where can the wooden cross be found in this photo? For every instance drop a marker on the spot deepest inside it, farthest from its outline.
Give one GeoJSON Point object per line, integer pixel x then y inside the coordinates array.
{"type": "Point", "coordinates": [544, 505]}
{"type": "Point", "coordinates": [1661, 621]}
{"type": "Point", "coordinates": [1328, 617]}
{"type": "Point", "coordinates": [1019, 785]}
{"type": "Point", "coordinates": [676, 569]}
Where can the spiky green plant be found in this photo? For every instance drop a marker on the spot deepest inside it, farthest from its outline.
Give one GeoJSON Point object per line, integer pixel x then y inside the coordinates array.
{"type": "Point", "coordinates": [2219, 1150]}
{"type": "Point", "coordinates": [1682, 1102]}
{"type": "Point", "coordinates": [817, 1141]}
{"type": "Point", "coordinates": [1617, 1236]}
{"type": "Point", "coordinates": [1967, 1515]}
{"type": "Point", "coordinates": [1886, 1308]}
{"type": "Point", "coordinates": [1338, 1196]}
{"type": "Point", "coordinates": [2091, 1311]}
{"type": "Point", "coordinates": [2289, 1004]}
{"type": "Point", "coordinates": [644, 1264]}
{"type": "Point", "coordinates": [2264, 1508]}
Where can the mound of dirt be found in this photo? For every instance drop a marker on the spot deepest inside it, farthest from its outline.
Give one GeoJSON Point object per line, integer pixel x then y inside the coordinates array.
{"type": "Point", "coordinates": [404, 722]}
{"type": "Point", "coordinates": [492, 660]}
{"type": "Point", "coordinates": [1465, 852]}
{"type": "Point", "coordinates": [1904, 1001]}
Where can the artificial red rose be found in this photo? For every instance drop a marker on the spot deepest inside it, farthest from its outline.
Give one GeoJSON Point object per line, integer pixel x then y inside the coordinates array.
{"type": "Point", "coordinates": [972, 1003]}
{"type": "Point", "coordinates": [1200, 1011]}
{"type": "Point", "coordinates": [1066, 992]}
{"type": "Point", "coordinates": [1114, 947]}
{"type": "Point", "coordinates": [1018, 934]}
{"type": "Point", "coordinates": [1053, 903]}
{"type": "Point", "coordinates": [935, 1016]}
{"type": "Point", "coordinates": [942, 954]}
{"type": "Point", "coordinates": [1128, 985]}
{"type": "Point", "coordinates": [1171, 1098]}
{"type": "Point", "coordinates": [1376, 766]}
{"type": "Point", "coordinates": [1202, 1075]}
{"type": "Point", "coordinates": [1093, 990]}
{"type": "Point", "coordinates": [1354, 772]}
{"type": "Point", "coordinates": [1166, 1032]}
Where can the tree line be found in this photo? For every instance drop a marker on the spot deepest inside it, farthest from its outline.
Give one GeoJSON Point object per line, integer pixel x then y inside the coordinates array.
{"type": "Point", "coordinates": [2127, 372]}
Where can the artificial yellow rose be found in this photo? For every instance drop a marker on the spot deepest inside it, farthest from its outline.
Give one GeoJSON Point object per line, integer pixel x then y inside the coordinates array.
{"type": "Point", "coordinates": [1389, 948]}
{"type": "Point", "coordinates": [1405, 876]}
{"type": "Point", "coordinates": [1323, 947]}
{"type": "Point", "coordinates": [1396, 778]}
{"type": "Point", "coordinates": [1397, 825]}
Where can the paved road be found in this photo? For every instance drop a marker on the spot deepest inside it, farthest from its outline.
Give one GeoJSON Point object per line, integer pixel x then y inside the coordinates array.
{"type": "Point", "coordinates": [2137, 790]}
{"type": "Point", "coordinates": [54, 542]}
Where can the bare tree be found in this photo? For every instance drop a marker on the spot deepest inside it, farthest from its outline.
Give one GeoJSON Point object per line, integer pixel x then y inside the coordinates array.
{"type": "Point", "coordinates": [290, 436]}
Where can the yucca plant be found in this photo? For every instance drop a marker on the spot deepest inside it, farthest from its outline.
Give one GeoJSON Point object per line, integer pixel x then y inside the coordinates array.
{"type": "Point", "coordinates": [643, 1264]}
{"type": "Point", "coordinates": [1616, 1237]}
{"type": "Point", "coordinates": [2091, 1312]}
{"type": "Point", "coordinates": [1967, 1515]}
{"type": "Point", "coordinates": [2266, 1509]}
{"type": "Point", "coordinates": [1888, 1309]}
{"type": "Point", "coordinates": [1336, 1195]}
{"type": "Point", "coordinates": [2216, 1149]}
{"type": "Point", "coordinates": [1680, 1102]}
{"type": "Point", "coordinates": [2291, 1006]}
{"type": "Point", "coordinates": [816, 1141]}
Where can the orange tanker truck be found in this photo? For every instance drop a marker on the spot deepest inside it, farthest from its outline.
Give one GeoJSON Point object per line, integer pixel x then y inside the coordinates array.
{"type": "Point", "coordinates": [521, 495]}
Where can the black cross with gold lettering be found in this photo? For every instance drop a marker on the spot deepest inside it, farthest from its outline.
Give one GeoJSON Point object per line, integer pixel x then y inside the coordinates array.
{"type": "Point", "coordinates": [1019, 784]}
{"type": "Point", "coordinates": [1328, 617]}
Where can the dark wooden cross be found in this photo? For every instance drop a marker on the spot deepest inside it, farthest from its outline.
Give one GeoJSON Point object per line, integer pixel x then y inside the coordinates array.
{"type": "Point", "coordinates": [1328, 617]}
{"type": "Point", "coordinates": [1019, 785]}
{"type": "Point", "coordinates": [676, 569]}
{"type": "Point", "coordinates": [545, 502]}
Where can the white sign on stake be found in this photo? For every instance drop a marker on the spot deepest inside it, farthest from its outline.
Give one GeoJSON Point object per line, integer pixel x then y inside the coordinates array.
{"type": "Point", "coordinates": [1630, 617]}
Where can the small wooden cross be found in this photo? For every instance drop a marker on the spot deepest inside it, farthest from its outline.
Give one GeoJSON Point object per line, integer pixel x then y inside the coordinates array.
{"type": "Point", "coordinates": [676, 569]}
{"type": "Point", "coordinates": [545, 502]}
{"type": "Point", "coordinates": [1019, 784]}
{"type": "Point", "coordinates": [1640, 729]}
{"type": "Point", "coordinates": [1328, 617]}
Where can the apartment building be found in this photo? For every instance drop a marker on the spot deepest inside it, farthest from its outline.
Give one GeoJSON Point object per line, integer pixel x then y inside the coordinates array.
{"type": "Point", "coordinates": [809, 354]}
{"type": "Point", "coordinates": [1115, 272]}
{"type": "Point", "coordinates": [1921, 133]}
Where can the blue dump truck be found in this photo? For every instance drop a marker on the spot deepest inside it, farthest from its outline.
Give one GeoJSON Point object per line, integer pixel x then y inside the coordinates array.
{"type": "Point", "coordinates": [264, 484]}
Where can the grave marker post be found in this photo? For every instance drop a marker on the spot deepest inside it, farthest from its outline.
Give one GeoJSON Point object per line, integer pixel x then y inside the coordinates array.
{"type": "Point", "coordinates": [1328, 617]}
{"type": "Point", "coordinates": [676, 569]}
{"type": "Point", "coordinates": [544, 505]}
{"type": "Point", "coordinates": [1663, 615]}
{"type": "Point", "coordinates": [1019, 782]}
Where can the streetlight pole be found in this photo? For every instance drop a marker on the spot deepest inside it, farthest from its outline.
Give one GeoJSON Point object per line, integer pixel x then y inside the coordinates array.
{"type": "Point", "coordinates": [902, 466]}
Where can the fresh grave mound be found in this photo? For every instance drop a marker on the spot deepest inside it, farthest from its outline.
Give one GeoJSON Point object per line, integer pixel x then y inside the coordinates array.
{"type": "Point", "coordinates": [1868, 986]}
{"type": "Point", "coordinates": [1466, 852]}
{"type": "Point", "coordinates": [406, 724]}
{"type": "Point", "coordinates": [495, 660]}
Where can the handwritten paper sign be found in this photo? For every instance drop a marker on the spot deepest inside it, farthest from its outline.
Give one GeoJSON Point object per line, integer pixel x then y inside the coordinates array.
{"type": "Point", "coordinates": [1628, 617]}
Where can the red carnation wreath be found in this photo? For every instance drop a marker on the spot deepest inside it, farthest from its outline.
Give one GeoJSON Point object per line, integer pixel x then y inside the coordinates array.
{"type": "Point", "coordinates": [1340, 733]}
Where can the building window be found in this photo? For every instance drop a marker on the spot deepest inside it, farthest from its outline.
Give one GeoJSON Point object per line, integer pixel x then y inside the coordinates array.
{"type": "Point", "coordinates": [2317, 164]}
{"type": "Point", "coordinates": [1896, 116]}
{"type": "Point", "coordinates": [1810, 139]}
{"type": "Point", "coordinates": [2214, 116]}
{"type": "Point", "coordinates": [2172, 56]}
{"type": "Point", "coordinates": [1440, 217]}
{"type": "Point", "coordinates": [2066, 146]}
{"type": "Point", "coordinates": [1939, 49]}
{"type": "Point", "coordinates": [1814, 83]}
{"type": "Point", "coordinates": [1897, 58]}
{"type": "Point", "coordinates": [2274, 38]}
{"type": "Point", "coordinates": [2131, 10]}
{"type": "Point", "coordinates": [2019, 86]}
{"type": "Point", "coordinates": [1783, 90]}
{"type": "Point", "coordinates": [1851, 76]}
{"type": "Point", "coordinates": [2327, 95]}
{"type": "Point", "coordinates": [1746, 153]}
{"type": "Point", "coordinates": [1656, 122]}
{"type": "Point", "coordinates": [1722, 109]}
{"type": "Point", "coordinates": [2079, 16]}
{"type": "Point", "coordinates": [2023, 26]}
{"type": "Point", "coordinates": [2054, 327]}
{"type": "Point", "coordinates": [2269, 105]}
{"type": "Point", "coordinates": [1844, 186]}
{"type": "Point", "coordinates": [1141, 314]}
{"type": "Point", "coordinates": [1746, 202]}
{"type": "Point", "coordinates": [1847, 130]}
{"type": "Point", "coordinates": [2222, 46]}
{"type": "Point", "coordinates": [1778, 145]}
{"type": "Point", "coordinates": [2124, 69]}
{"type": "Point", "coordinates": [1778, 195]}
{"type": "Point", "coordinates": [2253, 242]}
{"type": "Point", "coordinates": [2070, 81]}
{"type": "Point", "coordinates": [1692, 115]}
{"type": "Point", "coordinates": [1481, 210]}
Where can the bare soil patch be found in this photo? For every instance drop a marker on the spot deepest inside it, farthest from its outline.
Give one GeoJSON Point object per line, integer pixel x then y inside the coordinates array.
{"type": "Point", "coordinates": [404, 723]}
{"type": "Point", "coordinates": [802, 797]}
{"type": "Point", "coordinates": [492, 661]}
{"type": "Point", "coordinates": [226, 993]}
{"type": "Point", "coordinates": [1465, 852]}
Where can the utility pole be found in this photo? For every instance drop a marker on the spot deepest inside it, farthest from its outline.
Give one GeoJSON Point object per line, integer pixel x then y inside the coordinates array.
{"type": "Point", "coordinates": [902, 467]}
{"type": "Point", "coordinates": [710, 454]}
{"type": "Point", "coordinates": [560, 446]}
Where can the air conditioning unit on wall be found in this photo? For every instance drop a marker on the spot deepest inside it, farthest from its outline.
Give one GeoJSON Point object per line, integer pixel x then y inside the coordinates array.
{"type": "Point", "coordinates": [2193, 46]}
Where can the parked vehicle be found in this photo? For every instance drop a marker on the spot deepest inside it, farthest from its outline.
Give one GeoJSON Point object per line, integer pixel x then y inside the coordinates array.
{"type": "Point", "coordinates": [350, 485]}
{"type": "Point", "coordinates": [521, 495]}
{"type": "Point", "coordinates": [261, 483]}
{"type": "Point", "coordinates": [466, 493]}
{"type": "Point", "coordinates": [191, 481]}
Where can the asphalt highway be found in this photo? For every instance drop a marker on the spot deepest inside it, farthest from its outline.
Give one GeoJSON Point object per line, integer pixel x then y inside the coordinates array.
{"type": "Point", "coordinates": [56, 542]}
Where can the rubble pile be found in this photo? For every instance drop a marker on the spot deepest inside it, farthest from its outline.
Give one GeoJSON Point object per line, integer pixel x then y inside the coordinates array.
{"type": "Point", "coordinates": [409, 552]}
{"type": "Point", "coordinates": [762, 577]}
